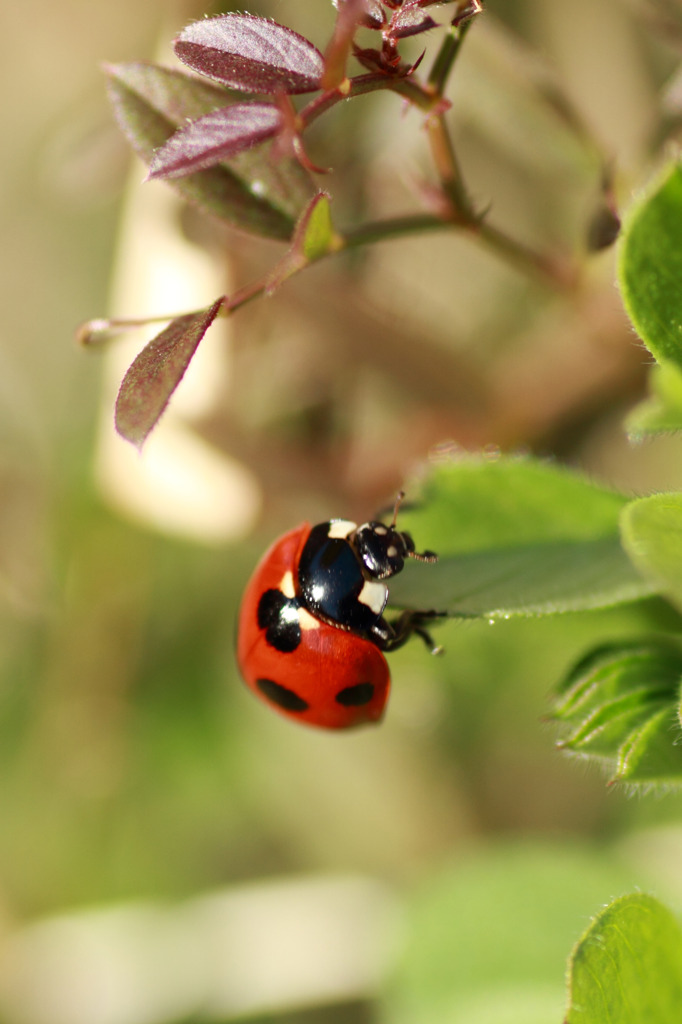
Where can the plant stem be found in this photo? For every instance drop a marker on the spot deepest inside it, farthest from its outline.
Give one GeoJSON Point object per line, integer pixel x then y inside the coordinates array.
{"type": "Point", "coordinates": [557, 273]}
{"type": "Point", "coordinates": [94, 332]}
{"type": "Point", "coordinates": [359, 86]}
{"type": "Point", "coordinates": [462, 214]}
{"type": "Point", "coordinates": [446, 56]}
{"type": "Point", "coordinates": [394, 227]}
{"type": "Point", "coordinates": [240, 298]}
{"type": "Point", "coordinates": [447, 167]}
{"type": "Point", "coordinates": [550, 271]}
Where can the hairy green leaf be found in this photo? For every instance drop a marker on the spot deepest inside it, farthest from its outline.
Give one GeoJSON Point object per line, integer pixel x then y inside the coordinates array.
{"type": "Point", "coordinates": [627, 968]}
{"type": "Point", "coordinates": [515, 537]}
{"type": "Point", "coordinates": [620, 705]}
{"type": "Point", "coordinates": [473, 503]}
{"type": "Point", "coordinates": [650, 266]}
{"type": "Point", "coordinates": [662, 411]}
{"type": "Point", "coordinates": [531, 579]}
{"type": "Point", "coordinates": [252, 190]}
{"type": "Point", "coordinates": [653, 751]}
{"type": "Point", "coordinates": [652, 536]}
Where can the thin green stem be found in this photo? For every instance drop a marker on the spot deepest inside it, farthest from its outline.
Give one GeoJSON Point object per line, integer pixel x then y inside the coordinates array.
{"type": "Point", "coordinates": [440, 140]}
{"type": "Point", "coordinates": [447, 167]}
{"type": "Point", "coordinates": [446, 56]}
{"type": "Point", "coordinates": [538, 265]}
{"type": "Point", "coordinates": [394, 227]}
{"type": "Point", "coordinates": [558, 273]}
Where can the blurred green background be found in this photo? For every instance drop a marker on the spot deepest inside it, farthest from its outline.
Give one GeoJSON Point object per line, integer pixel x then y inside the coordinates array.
{"type": "Point", "coordinates": [169, 850]}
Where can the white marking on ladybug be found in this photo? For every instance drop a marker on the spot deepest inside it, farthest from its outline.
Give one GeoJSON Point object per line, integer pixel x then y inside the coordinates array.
{"type": "Point", "coordinates": [306, 620]}
{"type": "Point", "coordinates": [374, 595]}
{"type": "Point", "coordinates": [391, 551]}
{"type": "Point", "coordinates": [289, 613]}
{"type": "Point", "coordinates": [340, 528]}
{"type": "Point", "coordinates": [287, 584]}
{"type": "Point", "coordinates": [380, 530]}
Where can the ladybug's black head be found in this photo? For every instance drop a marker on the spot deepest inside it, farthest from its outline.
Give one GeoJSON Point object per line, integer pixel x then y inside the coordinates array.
{"type": "Point", "coordinates": [383, 549]}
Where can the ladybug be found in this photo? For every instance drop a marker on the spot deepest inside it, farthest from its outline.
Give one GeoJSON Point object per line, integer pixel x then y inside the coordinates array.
{"type": "Point", "coordinates": [312, 633]}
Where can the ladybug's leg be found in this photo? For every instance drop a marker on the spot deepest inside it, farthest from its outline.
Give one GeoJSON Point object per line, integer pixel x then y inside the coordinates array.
{"type": "Point", "coordinates": [433, 647]}
{"type": "Point", "coordinates": [388, 636]}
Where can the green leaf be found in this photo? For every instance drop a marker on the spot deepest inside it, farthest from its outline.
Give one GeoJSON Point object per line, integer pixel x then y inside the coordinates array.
{"type": "Point", "coordinates": [619, 704]}
{"type": "Point", "coordinates": [650, 266]}
{"type": "Point", "coordinates": [515, 537]}
{"type": "Point", "coordinates": [316, 236]}
{"type": "Point", "coordinates": [653, 752]}
{"type": "Point", "coordinates": [252, 190]}
{"type": "Point", "coordinates": [662, 411]}
{"type": "Point", "coordinates": [627, 968]}
{"type": "Point", "coordinates": [652, 536]}
{"type": "Point", "coordinates": [486, 936]}
{"type": "Point", "coordinates": [537, 579]}
{"type": "Point", "coordinates": [612, 670]}
{"type": "Point", "coordinates": [472, 503]}
{"type": "Point", "coordinates": [313, 238]}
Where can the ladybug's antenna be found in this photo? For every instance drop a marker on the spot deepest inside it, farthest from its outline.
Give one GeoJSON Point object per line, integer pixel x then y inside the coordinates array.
{"type": "Point", "coordinates": [398, 503]}
{"type": "Point", "coordinates": [423, 556]}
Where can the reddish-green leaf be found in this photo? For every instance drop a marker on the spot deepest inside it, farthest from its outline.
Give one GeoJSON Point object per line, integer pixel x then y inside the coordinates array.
{"type": "Point", "coordinates": [251, 54]}
{"type": "Point", "coordinates": [313, 238]}
{"type": "Point", "coordinates": [156, 373]}
{"type": "Point", "coordinates": [372, 14]}
{"type": "Point", "coordinates": [410, 22]}
{"type": "Point", "coordinates": [251, 190]}
{"type": "Point", "coordinates": [211, 139]}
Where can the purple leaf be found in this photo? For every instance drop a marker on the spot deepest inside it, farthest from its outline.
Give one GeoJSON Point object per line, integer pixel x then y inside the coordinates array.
{"type": "Point", "coordinates": [251, 190]}
{"type": "Point", "coordinates": [369, 58]}
{"type": "Point", "coordinates": [410, 22]}
{"type": "Point", "coordinates": [214, 137]}
{"type": "Point", "coordinates": [374, 16]}
{"type": "Point", "coordinates": [251, 54]}
{"type": "Point", "coordinates": [156, 373]}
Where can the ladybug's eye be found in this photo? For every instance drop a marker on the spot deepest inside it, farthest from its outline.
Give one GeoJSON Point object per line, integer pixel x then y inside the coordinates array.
{"type": "Point", "coordinates": [355, 696]}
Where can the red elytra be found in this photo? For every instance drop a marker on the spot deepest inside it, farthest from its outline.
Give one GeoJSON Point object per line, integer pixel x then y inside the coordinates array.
{"type": "Point", "coordinates": [320, 681]}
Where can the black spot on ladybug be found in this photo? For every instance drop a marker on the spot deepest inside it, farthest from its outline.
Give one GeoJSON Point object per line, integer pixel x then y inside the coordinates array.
{"type": "Point", "coordinates": [281, 695]}
{"type": "Point", "coordinates": [354, 696]}
{"type": "Point", "coordinates": [278, 616]}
